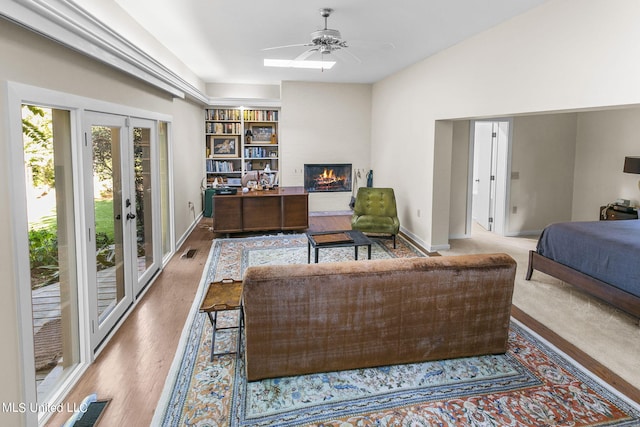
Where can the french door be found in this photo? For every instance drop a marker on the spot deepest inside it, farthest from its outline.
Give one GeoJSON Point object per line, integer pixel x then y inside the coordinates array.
{"type": "Point", "coordinates": [119, 211]}
{"type": "Point", "coordinates": [148, 255]}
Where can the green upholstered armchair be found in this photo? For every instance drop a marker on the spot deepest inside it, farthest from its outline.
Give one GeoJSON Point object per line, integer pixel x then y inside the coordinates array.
{"type": "Point", "coordinates": [375, 212]}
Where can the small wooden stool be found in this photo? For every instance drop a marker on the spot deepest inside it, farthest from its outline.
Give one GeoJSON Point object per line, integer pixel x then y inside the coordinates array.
{"type": "Point", "coordinates": [224, 296]}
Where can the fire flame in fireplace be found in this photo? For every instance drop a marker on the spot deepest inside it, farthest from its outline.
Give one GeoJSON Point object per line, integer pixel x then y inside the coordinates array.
{"type": "Point", "coordinates": [328, 178]}
{"type": "Point", "coordinates": [328, 174]}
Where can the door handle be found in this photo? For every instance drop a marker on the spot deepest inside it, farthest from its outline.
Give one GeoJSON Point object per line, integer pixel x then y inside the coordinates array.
{"type": "Point", "coordinates": [118, 217]}
{"type": "Point", "coordinates": [130, 216]}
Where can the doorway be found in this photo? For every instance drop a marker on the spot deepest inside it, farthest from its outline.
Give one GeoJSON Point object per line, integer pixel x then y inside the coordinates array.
{"type": "Point", "coordinates": [92, 213]}
{"type": "Point", "coordinates": [490, 154]}
{"type": "Point", "coordinates": [120, 205]}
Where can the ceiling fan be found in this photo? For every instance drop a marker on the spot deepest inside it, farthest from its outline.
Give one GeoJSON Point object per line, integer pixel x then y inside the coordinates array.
{"type": "Point", "coordinates": [325, 41]}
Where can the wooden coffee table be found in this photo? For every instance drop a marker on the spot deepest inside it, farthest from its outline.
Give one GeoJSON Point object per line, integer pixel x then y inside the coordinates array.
{"type": "Point", "coordinates": [336, 239]}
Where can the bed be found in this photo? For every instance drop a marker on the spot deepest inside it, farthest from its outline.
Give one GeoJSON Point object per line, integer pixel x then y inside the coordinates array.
{"type": "Point", "coordinates": [599, 257]}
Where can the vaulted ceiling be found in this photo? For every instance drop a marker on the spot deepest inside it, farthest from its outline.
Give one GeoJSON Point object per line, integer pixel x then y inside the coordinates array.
{"type": "Point", "coordinates": [222, 41]}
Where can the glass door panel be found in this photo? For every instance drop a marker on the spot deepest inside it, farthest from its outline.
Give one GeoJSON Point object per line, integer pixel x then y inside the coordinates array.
{"type": "Point", "coordinates": [107, 208]}
{"type": "Point", "coordinates": [52, 248]}
{"type": "Point", "coordinates": [143, 178]}
{"type": "Point", "coordinates": [165, 195]}
{"type": "Point", "coordinates": [111, 213]}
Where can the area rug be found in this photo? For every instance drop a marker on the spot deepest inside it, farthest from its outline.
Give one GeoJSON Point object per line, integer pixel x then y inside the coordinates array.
{"type": "Point", "coordinates": [47, 344]}
{"type": "Point", "coordinates": [532, 384]}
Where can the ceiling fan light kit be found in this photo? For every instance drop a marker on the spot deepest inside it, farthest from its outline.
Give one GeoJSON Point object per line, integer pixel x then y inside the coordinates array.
{"type": "Point", "coordinates": [327, 39]}
{"type": "Point", "coordinates": [325, 42]}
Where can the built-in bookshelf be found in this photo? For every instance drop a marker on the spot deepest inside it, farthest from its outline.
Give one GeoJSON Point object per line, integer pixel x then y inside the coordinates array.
{"type": "Point", "coordinates": [239, 140]}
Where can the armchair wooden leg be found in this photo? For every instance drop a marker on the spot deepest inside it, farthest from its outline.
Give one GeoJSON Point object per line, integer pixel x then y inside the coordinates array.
{"type": "Point", "coordinates": [394, 241]}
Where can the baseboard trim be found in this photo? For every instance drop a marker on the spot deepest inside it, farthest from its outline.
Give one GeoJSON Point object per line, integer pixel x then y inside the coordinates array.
{"type": "Point", "coordinates": [331, 213]}
{"type": "Point", "coordinates": [186, 234]}
{"type": "Point", "coordinates": [421, 243]}
{"type": "Point", "coordinates": [523, 233]}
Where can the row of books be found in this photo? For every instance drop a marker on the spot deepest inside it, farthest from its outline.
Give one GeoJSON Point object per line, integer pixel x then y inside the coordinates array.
{"type": "Point", "coordinates": [219, 166]}
{"type": "Point", "coordinates": [222, 114]}
{"type": "Point", "coordinates": [253, 152]}
{"type": "Point", "coordinates": [248, 166]}
{"type": "Point", "coordinates": [261, 115]}
{"type": "Point", "coordinates": [223, 128]}
{"type": "Point", "coordinates": [235, 114]}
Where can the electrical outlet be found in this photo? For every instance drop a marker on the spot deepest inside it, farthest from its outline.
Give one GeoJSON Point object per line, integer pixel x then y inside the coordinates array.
{"type": "Point", "coordinates": [514, 209]}
{"type": "Point", "coordinates": [418, 213]}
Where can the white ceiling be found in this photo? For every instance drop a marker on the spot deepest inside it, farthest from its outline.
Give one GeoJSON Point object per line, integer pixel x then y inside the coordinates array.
{"type": "Point", "coordinates": [222, 40]}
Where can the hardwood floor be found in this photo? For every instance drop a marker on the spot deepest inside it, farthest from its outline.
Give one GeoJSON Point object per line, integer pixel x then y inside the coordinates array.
{"type": "Point", "coordinates": [133, 367]}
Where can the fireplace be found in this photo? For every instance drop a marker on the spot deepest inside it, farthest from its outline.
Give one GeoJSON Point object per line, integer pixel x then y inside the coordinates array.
{"type": "Point", "coordinates": [327, 177]}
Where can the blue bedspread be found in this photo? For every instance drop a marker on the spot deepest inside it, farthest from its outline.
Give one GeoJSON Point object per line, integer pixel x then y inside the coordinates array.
{"type": "Point", "coordinates": [606, 250]}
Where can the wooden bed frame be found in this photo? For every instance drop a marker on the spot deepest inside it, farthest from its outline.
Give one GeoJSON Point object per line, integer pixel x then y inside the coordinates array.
{"type": "Point", "coordinates": [606, 292]}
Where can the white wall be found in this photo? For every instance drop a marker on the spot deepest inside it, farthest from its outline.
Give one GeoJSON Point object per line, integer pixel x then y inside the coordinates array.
{"type": "Point", "coordinates": [543, 154]}
{"type": "Point", "coordinates": [112, 14]}
{"type": "Point", "coordinates": [324, 123]}
{"type": "Point", "coordinates": [34, 60]}
{"type": "Point", "coordinates": [604, 138]}
{"type": "Point", "coordinates": [243, 91]}
{"type": "Point", "coordinates": [563, 55]}
{"type": "Point", "coordinates": [188, 163]}
{"type": "Point", "coordinates": [460, 179]}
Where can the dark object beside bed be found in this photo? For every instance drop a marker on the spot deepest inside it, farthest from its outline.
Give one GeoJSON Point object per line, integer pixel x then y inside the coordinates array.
{"type": "Point", "coordinates": [599, 257]}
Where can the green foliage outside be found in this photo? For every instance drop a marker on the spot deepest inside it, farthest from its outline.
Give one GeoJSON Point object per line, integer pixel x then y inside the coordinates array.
{"type": "Point", "coordinates": [37, 129]}
{"type": "Point", "coordinates": [43, 244]}
{"type": "Point", "coordinates": [37, 133]}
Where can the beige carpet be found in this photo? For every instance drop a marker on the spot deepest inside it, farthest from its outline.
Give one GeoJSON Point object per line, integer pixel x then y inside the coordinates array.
{"type": "Point", "coordinates": [603, 332]}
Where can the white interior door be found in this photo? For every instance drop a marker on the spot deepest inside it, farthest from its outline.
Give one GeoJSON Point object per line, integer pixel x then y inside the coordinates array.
{"type": "Point", "coordinates": [483, 148]}
{"type": "Point", "coordinates": [489, 185]}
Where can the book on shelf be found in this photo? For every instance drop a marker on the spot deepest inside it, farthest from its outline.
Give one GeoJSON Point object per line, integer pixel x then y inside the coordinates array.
{"type": "Point", "coordinates": [223, 114]}
{"type": "Point", "coordinates": [216, 166]}
{"type": "Point", "coordinates": [259, 152]}
{"type": "Point", "coordinates": [223, 128]}
{"type": "Point", "coordinates": [260, 115]}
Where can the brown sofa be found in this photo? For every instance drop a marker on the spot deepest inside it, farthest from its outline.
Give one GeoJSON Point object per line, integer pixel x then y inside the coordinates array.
{"type": "Point", "coordinates": [302, 319]}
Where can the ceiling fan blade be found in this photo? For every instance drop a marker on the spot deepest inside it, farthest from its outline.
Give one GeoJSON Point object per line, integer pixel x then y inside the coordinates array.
{"type": "Point", "coordinates": [304, 55]}
{"type": "Point", "coordinates": [286, 46]}
{"type": "Point", "coordinates": [347, 54]}
{"type": "Point", "coordinates": [360, 44]}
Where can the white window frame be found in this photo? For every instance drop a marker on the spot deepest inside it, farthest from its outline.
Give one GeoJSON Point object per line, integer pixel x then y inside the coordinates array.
{"type": "Point", "coordinates": [17, 95]}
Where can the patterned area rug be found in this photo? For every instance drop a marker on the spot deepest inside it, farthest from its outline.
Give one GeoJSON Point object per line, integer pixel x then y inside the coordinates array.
{"type": "Point", "coordinates": [531, 385]}
{"type": "Point", "coordinates": [48, 345]}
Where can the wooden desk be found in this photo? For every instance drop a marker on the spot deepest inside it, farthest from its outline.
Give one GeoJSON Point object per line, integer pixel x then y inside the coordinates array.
{"type": "Point", "coordinates": [285, 208]}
